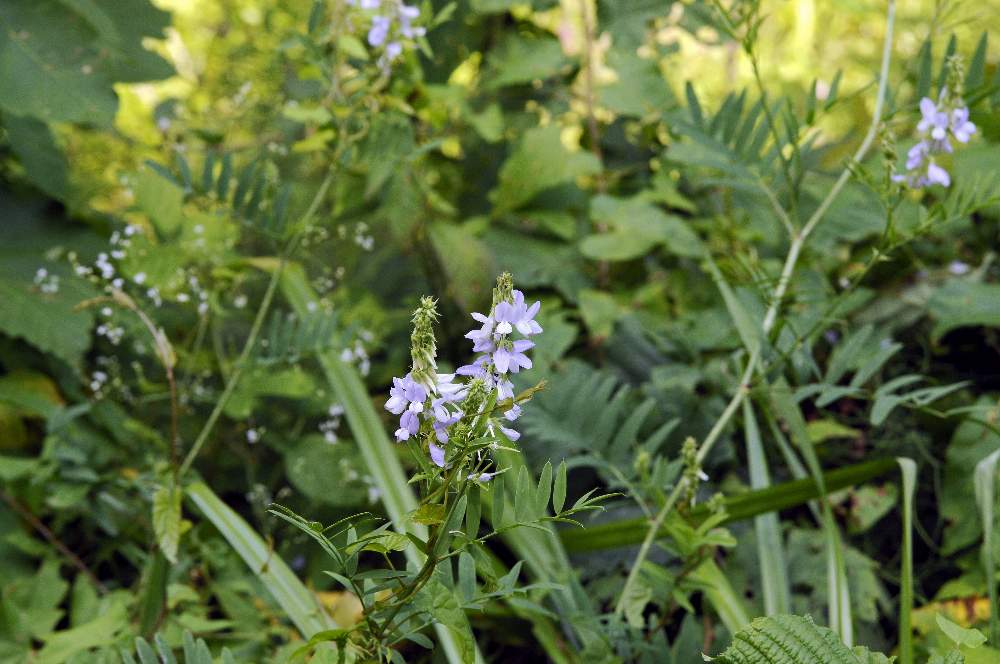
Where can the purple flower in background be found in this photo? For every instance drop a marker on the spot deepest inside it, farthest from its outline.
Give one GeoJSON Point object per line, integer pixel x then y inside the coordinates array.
{"type": "Point", "coordinates": [937, 123]}
{"type": "Point", "coordinates": [510, 433]}
{"type": "Point", "coordinates": [392, 50]}
{"type": "Point", "coordinates": [379, 30]}
{"type": "Point", "coordinates": [937, 175]}
{"type": "Point", "coordinates": [934, 120]}
{"type": "Point", "coordinates": [370, 4]}
{"type": "Point", "coordinates": [961, 128]}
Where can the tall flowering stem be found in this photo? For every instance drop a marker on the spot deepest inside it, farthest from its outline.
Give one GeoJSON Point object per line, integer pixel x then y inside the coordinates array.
{"type": "Point", "coordinates": [445, 413]}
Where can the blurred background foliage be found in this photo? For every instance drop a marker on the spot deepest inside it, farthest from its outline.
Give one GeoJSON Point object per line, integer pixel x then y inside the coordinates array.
{"type": "Point", "coordinates": [599, 150]}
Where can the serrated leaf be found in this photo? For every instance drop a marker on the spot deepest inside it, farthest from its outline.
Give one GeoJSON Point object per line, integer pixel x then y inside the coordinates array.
{"type": "Point", "coordinates": [787, 639]}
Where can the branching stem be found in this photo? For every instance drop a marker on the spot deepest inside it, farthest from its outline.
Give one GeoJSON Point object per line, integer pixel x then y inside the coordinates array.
{"type": "Point", "coordinates": [794, 251]}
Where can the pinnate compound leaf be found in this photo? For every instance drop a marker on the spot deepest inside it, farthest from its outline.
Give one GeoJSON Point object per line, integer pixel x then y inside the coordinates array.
{"type": "Point", "coordinates": [788, 639]}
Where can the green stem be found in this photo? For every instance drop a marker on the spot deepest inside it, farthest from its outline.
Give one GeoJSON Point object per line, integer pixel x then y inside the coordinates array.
{"type": "Point", "coordinates": [770, 317]}
{"type": "Point", "coordinates": [258, 323]}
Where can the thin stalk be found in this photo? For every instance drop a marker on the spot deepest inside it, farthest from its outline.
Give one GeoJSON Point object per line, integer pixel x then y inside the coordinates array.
{"type": "Point", "coordinates": [52, 539]}
{"type": "Point", "coordinates": [258, 323]}
{"type": "Point", "coordinates": [794, 251]}
{"type": "Point", "coordinates": [657, 523]}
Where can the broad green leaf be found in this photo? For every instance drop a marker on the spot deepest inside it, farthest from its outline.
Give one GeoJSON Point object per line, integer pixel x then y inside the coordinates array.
{"type": "Point", "coordinates": [48, 322]}
{"type": "Point", "coordinates": [159, 198]}
{"type": "Point", "coordinates": [523, 59]}
{"type": "Point", "coordinates": [49, 68]}
{"type": "Point", "coordinates": [635, 228]}
{"type": "Point", "coordinates": [167, 520]}
{"type": "Point", "coordinates": [467, 263]}
{"type": "Point", "coordinates": [101, 631]}
{"type": "Point", "coordinates": [540, 161]}
{"type": "Point", "coordinates": [967, 637]}
{"type": "Point", "coordinates": [639, 90]}
{"type": "Point", "coordinates": [327, 474]}
{"type": "Point", "coordinates": [41, 158]}
{"type": "Point", "coordinates": [970, 444]}
{"type": "Point", "coordinates": [442, 604]}
{"type": "Point", "coordinates": [962, 303]}
{"type": "Point", "coordinates": [600, 312]}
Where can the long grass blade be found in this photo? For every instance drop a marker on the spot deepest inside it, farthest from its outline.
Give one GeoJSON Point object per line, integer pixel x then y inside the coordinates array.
{"type": "Point", "coordinates": [299, 604]}
{"type": "Point", "coordinates": [770, 547]}
{"type": "Point", "coordinates": [839, 598]}
{"type": "Point", "coordinates": [908, 469]}
{"type": "Point", "coordinates": [985, 479]}
{"type": "Point", "coordinates": [721, 595]}
{"type": "Point", "coordinates": [629, 532]}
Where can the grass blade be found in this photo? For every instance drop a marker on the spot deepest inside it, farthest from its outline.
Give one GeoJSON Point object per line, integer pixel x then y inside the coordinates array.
{"type": "Point", "coordinates": [721, 595]}
{"type": "Point", "coordinates": [770, 547]}
{"type": "Point", "coordinates": [985, 479]}
{"type": "Point", "coordinates": [787, 409]}
{"type": "Point", "coordinates": [629, 532]}
{"type": "Point", "coordinates": [294, 598]}
{"type": "Point", "coordinates": [908, 469]}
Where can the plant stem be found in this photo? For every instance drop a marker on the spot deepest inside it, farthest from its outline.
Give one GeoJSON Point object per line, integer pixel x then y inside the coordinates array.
{"type": "Point", "coordinates": [44, 531]}
{"type": "Point", "coordinates": [258, 323]}
{"type": "Point", "coordinates": [794, 251]}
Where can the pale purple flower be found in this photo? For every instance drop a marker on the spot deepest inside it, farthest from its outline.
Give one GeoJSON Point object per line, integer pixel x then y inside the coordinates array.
{"type": "Point", "coordinates": [379, 30]}
{"type": "Point", "coordinates": [392, 50]}
{"type": "Point", "coordinates": [483, 477]}
{"type": "Point", "coordinates": [934, 120]}
{"type": "Point", "coordinates": [958, 268]}
{"type": "Point", "coordinates": [514, 358]}
{"type": "Point", "coordinates": [513, 413]}
{"type": "Point", "coordinates": [370, 4]}
{"type": "Point", "coordinates": [409, 425]}
{"type": "Point", "coordinates": [937, 175]}
{"type": "Point", "coordinates": [510, 433]}
{"type": "Point", "coordinates": [406, 398]}
{"type": "Point", "coordinates": [475, 370]}
{"type": "Point", "coordinates": [437, 455]}
{"type": "Point", "coordinates": [505, 389]}
{"type": "Point", "coordinates": [961, 128]}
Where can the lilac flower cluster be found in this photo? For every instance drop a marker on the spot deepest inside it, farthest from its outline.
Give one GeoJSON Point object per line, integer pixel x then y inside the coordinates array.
{"type": "Point", "coordinates": [392, 26]}
{"type": "Point", "coordinates": [939, 122]}
{"type": "Point", "coordinates": [501, 353]}
{"type": "Point", "coordinates": [444, 400]}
